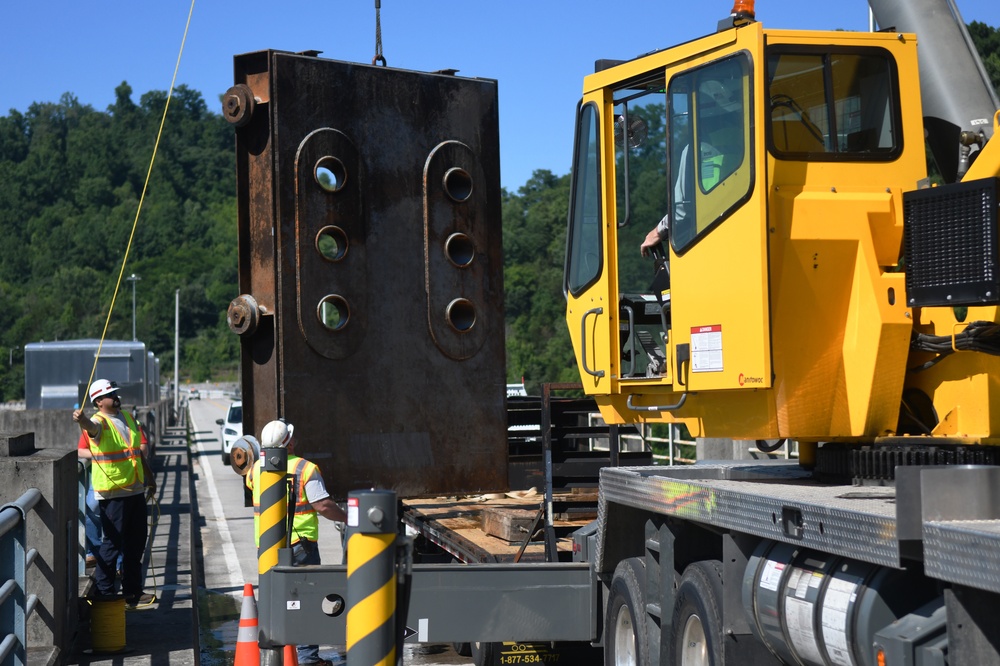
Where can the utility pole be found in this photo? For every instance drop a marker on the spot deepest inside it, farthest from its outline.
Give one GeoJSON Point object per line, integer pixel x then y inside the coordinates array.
{"type": "Point", "coordinates": [177, 350]}
{"type": "Point", "coordinates": [133, 279]}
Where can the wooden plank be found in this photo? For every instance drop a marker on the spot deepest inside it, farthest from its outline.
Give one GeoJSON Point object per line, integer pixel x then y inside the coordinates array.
{"type": "Point", "coordinates": [509, 524]}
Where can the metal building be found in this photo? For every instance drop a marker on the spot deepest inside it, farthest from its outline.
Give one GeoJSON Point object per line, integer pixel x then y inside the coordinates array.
{"type": "Point", "coordinates": [56, 373]}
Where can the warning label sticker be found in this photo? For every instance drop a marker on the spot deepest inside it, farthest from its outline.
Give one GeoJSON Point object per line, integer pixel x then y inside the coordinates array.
{"type": "Point", "coordinates": [352, 512]}
{"type": "Point", "coordinates": [770, 577]}
{"type": "Point", "coordinates": [706, 348]}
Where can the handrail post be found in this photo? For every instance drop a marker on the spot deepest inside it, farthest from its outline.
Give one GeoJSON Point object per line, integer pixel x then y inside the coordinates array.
{"type": "Point", "coordinates": [82, 487]}
{"type": "Point", "coordinates": [14, 609]}
{"type": "Point", "coordinates": [670, 443]}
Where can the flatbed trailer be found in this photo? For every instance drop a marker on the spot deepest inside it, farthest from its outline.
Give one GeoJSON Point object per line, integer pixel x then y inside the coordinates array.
{"type": "Point", "coordinates": [776, 564]}
{"type": "Point", "coordinates": [456, 526]}
{"type": "Point", "coordinates": [808, 570]}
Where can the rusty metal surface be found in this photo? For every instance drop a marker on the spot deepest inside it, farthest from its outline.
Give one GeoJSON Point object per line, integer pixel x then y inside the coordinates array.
{"type": "Point", "coordinates": [369, 219]}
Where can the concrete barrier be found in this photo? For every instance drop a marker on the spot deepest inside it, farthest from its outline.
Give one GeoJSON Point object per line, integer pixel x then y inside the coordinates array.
{"type": "Point", "coordinates": [55, 429]}
{"type": "Point", "coordinates": [51, 530]}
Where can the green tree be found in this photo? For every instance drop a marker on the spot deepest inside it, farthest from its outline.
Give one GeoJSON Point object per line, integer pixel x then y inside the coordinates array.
{"type": "Point", "coordinates": [987, 41]}
{"type": "Point", "coordinates": [538, 346]}
{"type": "Point", "coordinates": [73, 178]}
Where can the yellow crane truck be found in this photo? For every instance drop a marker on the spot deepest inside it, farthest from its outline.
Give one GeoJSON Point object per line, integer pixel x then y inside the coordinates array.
{"type": "Point", "coordinates": [813, 281]}
{"type": "Point", "coordinates": [815, 287]}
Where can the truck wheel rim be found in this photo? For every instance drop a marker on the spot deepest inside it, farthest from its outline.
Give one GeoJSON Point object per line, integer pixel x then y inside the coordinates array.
{"type": "Point", "coordinates": [694, 649]}
{"type": "Point", "coordinates": [624, 639]}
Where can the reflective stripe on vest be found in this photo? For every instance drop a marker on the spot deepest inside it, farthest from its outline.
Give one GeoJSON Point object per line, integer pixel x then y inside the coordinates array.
{"type": "Point", "coordinates": [305, 525]}
{"type": "Point", "coordinates": [117, 460]}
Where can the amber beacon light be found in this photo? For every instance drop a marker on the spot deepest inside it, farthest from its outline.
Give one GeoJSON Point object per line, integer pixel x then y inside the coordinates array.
{"type": "Point", "coordinates": [743, 9]}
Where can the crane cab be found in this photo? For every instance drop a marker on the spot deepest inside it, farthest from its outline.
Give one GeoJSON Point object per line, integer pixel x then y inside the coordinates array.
{"type": "Point", "coordinates": [779, 159]}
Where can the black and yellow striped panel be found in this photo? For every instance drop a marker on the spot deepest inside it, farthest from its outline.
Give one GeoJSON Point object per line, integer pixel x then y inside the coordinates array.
{"type": "Point", "coordinates": [371, 600]}
{"type": "Point", "coordinates": [273, 518]}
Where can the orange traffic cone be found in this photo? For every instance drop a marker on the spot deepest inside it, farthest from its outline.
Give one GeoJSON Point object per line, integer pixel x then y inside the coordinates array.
{"type": "Point", "coordinates": [247, 649]}
{"type": "Point", "coordinates": [291, 656]}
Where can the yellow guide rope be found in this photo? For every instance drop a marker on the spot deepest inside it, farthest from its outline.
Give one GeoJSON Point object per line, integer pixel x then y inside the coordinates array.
{"type": "Point", "coordinates": [108, 626]}
{"type": "Point", "coordinates": [142, 197]}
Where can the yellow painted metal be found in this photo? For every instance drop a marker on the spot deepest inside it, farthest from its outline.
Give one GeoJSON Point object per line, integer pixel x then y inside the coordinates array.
{"type": "Point", "coordinates": [734, 302]}
{"type": "Point", "coordinates": [807, 454]}
{"type": "Point", "coordinates": [840, 346]}
{"type": "Point", "coordinates": [840, 326]}
{"type": "Point", "coordinates": [273, 515]}
{"type": "Point", "coordinates": [966, 385]}
{"type": "Point", "coordinates": [684, 55]}
{"type": "Point", "coordinates": [372, 614]}
{"type": "Point", "coordinates": [375, 610]}
{"type": "Point", "coordinates": [737, 414]}
{"type": "Point", "coordinates": [592, 314]}
{"type": "Point", "coordinates": [802, 281]}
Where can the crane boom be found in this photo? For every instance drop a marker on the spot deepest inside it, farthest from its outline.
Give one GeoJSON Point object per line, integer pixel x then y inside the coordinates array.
{"type": "Point", "coordinates": [955, 88]}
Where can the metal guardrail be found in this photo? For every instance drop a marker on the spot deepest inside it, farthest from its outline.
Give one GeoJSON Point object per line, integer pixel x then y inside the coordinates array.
{"type": "Point", "coordinates": [82, 487]}
{"type": "Point", "coordinates": [673, 443]}
{"type": "Point", "coordinates": [671, 440]}
{"type": "Point", "coordinates": [16, 605]}
{"type": "Point", "coordinates": [645, 438]}
{"type": "Point", "coordinates": [789, 449]}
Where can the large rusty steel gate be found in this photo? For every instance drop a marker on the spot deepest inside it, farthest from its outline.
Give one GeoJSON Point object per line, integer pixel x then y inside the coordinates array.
{"type": "Point", "coordinates": [371, 273]}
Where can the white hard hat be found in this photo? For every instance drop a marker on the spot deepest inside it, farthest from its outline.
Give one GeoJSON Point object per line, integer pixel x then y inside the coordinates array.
{"type": "Point", "coordinates": [101, 387]}
{"type": "Point", "coordinates": [276, 433]}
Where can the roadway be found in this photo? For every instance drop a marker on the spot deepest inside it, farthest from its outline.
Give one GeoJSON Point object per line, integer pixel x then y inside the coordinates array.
{"type": "Point", "coordinates": [229, 555]}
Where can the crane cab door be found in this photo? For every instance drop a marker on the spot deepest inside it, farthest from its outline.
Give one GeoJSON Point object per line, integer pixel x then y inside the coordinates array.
{"type": "Point", "coordinates": [587, 281]}
{"type": "Point", "coordinates": [672, 133]}
{"type": "Point", "coordinates": [718, 230]}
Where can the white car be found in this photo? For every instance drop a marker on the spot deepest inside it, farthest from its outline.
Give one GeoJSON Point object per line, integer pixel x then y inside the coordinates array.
{"type": "Point", "coordinates": [230, 429]}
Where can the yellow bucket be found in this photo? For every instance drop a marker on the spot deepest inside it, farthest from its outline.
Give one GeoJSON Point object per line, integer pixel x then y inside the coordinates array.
{"type": "Point", "coordinates": [107, 625]}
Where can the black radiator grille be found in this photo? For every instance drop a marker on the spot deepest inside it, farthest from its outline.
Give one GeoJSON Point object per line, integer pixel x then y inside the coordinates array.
{"type": "Point", "coordinates": [950, 244]}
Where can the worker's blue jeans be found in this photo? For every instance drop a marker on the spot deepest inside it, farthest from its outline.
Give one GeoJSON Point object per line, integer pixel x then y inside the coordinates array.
{"type": "Point", "coordinates": [92, 523]}
{"type": "Point", "coordinates": [306, 552]}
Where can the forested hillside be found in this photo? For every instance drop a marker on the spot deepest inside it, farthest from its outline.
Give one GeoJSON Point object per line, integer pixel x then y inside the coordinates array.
{"type": "Point", "coordinates": [70, 182]}
{"type": "Point", "coordinates": [72, 178]}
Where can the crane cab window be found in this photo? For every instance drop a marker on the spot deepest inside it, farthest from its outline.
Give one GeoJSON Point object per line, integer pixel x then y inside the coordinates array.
{"type": "Point", "coordinates": [640, 170]}
{"type": "Point", "coordinates": [583, 244]}
{"type": "Point", "coordinates": [710, 154]}
{"type": "Point", "coordinates": [833, 105]}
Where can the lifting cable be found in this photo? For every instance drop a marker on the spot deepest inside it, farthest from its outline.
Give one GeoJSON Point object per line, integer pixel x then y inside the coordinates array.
{"type": "Point", "coordinates": [379, 58]}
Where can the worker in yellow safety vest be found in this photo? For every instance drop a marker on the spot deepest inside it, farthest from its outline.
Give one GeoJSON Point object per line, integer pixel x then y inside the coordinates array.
{"type": "Point", "coordinates": [121, 478]}
{"type": "Point", "coordinates": [308, 499]}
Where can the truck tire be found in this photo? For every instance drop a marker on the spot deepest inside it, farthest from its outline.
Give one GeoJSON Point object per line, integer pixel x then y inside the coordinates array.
{"type": "Point", "coordinates": [626, 642]}
{"type": "Point", "coordinates": [697, 620]}
{"type": "Point", "coordinates": [482, 653]}
{"type": "Point", "coordinates": [462, 649]}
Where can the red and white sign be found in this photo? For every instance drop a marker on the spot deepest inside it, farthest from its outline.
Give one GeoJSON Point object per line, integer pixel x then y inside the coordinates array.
{"type": "Point", "coordinates": [706, 348]}
{"type": "Point", "coordinates": [352, 511]}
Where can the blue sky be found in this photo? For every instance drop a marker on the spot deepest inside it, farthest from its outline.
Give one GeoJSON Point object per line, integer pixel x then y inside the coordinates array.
{"type": "Point", "coordinates": [538, 50]}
